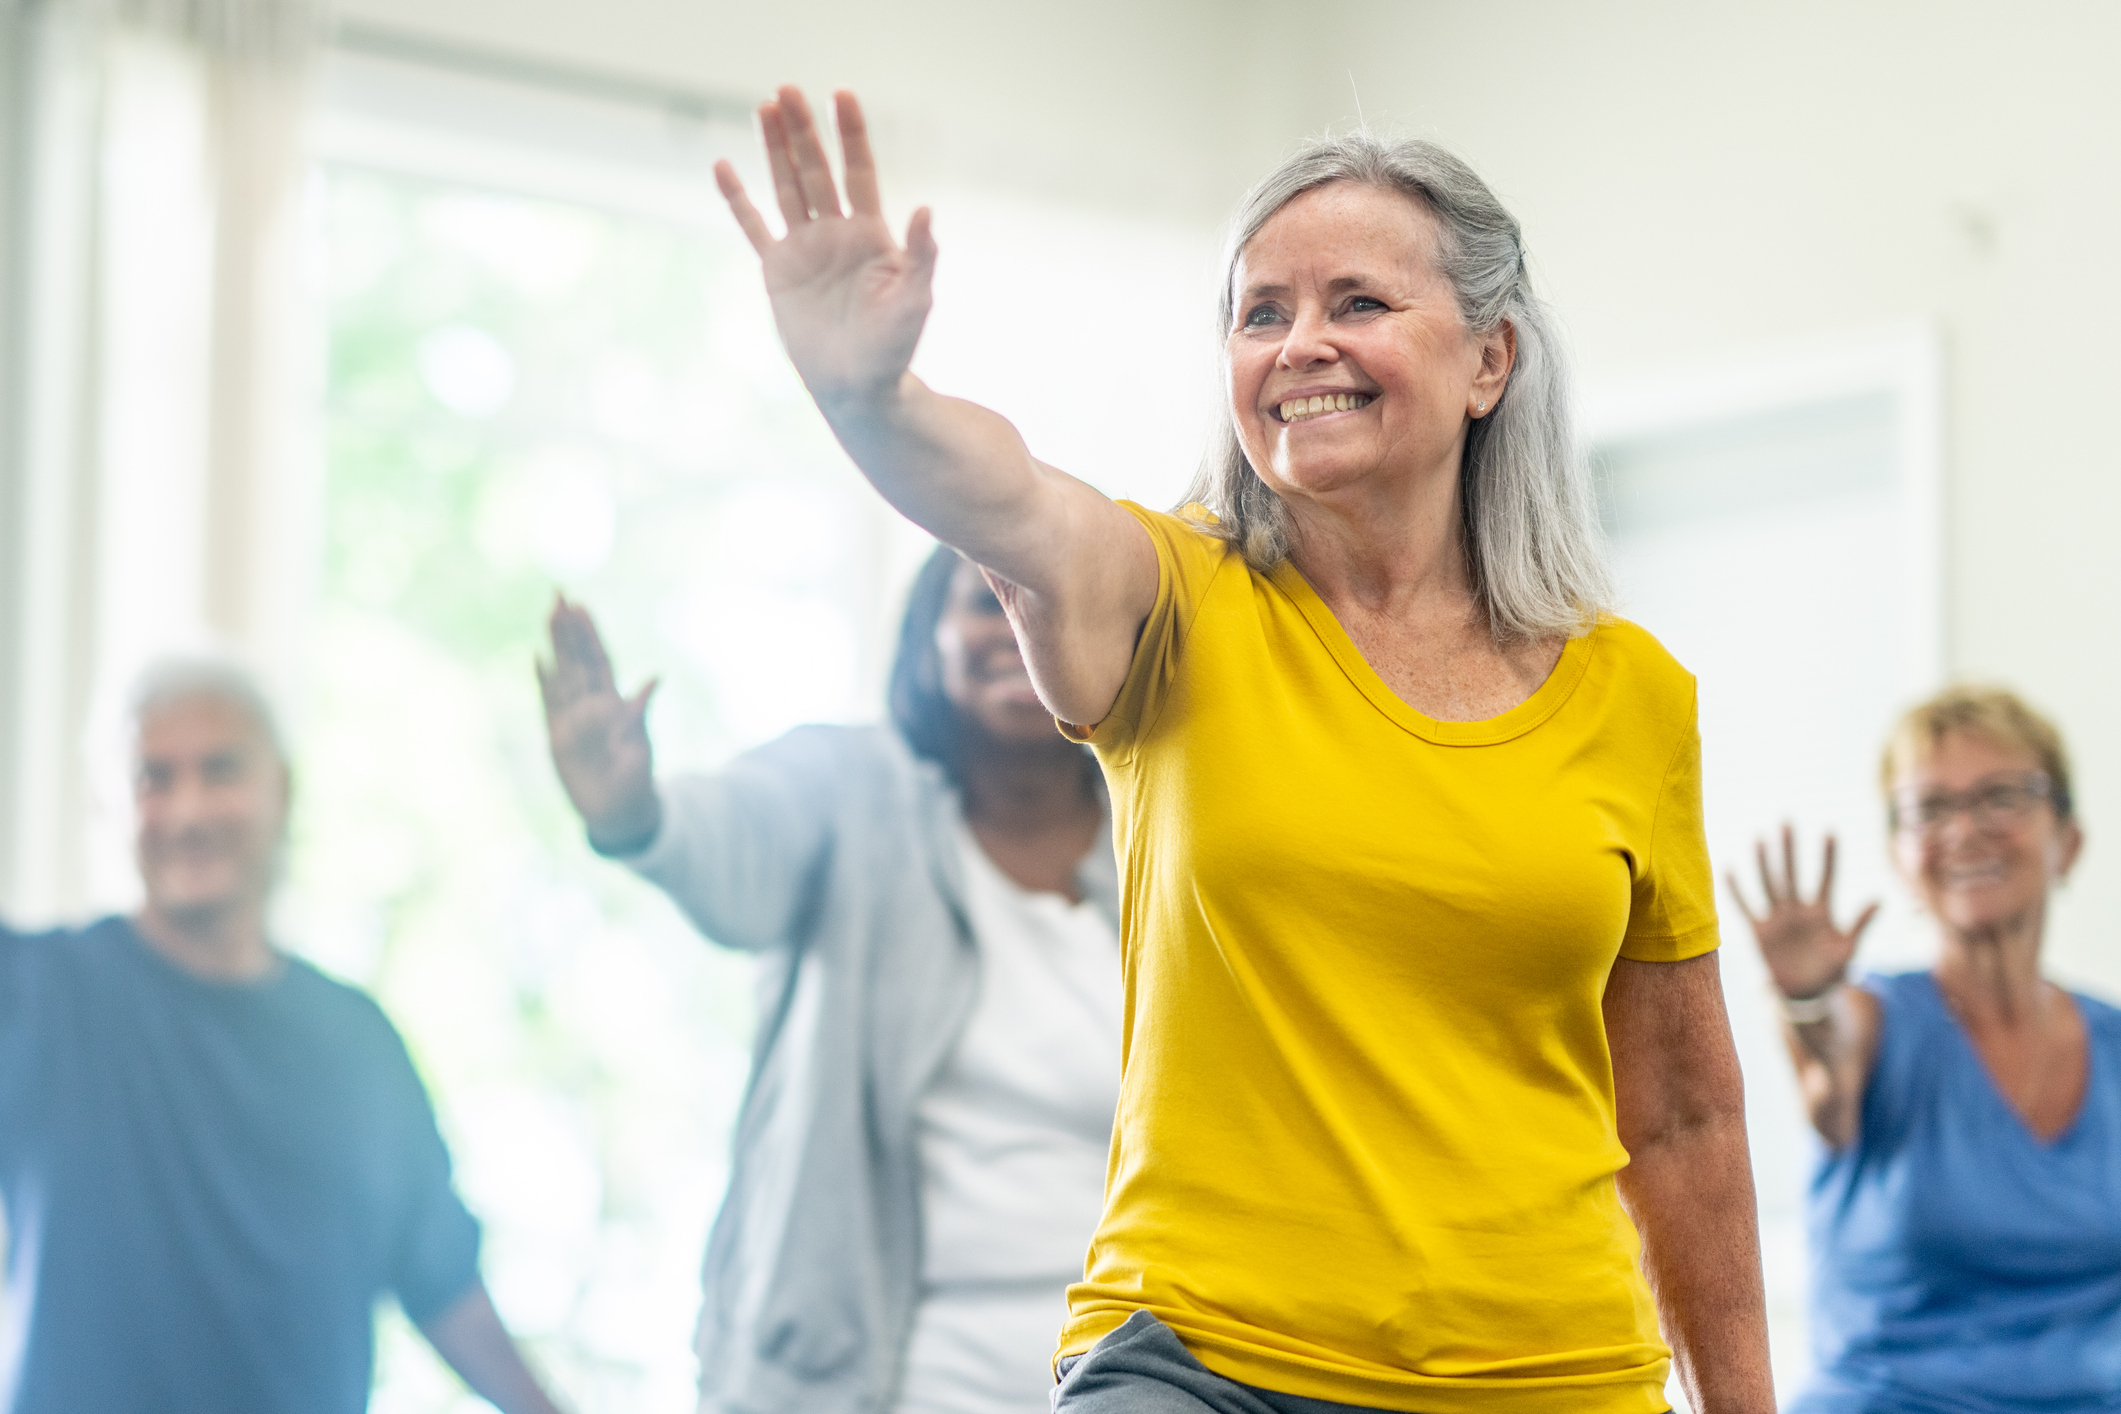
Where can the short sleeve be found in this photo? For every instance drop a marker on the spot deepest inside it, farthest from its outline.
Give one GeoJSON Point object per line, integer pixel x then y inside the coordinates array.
{"type": "Point", "coordinates": [1672, 914]}
{"type": "Point", "coordinates": [1188, 558]}
{"type": "Point", "coordinates": [436, 1256]}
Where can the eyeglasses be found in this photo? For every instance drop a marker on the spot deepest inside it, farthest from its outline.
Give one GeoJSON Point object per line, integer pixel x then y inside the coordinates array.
{"type": "Point", "coordinates": [1996, 804]}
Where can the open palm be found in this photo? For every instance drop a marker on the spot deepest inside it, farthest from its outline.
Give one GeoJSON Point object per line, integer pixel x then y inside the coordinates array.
{"type": "Point", "coordinates": [849, 301]}
{"type": "Point", "coordinates": [1805, 953]}
{"type": "Point", "coordinates": [599, 739]}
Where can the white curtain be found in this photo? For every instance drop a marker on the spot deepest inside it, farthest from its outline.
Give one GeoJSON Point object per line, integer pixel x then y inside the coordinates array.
{"type": "Point", "coordinates": [157, 475]}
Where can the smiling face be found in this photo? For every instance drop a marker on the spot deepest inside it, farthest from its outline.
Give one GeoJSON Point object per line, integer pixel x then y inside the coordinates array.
{"type": "Point", "coordinates": [982, 669]}
{"type": "Point", "coordinates": [1349, 362]}
{"type": "Point", "coordinates": [1973, 873]}
{"type": "Point", "coordinates": [210, 805]}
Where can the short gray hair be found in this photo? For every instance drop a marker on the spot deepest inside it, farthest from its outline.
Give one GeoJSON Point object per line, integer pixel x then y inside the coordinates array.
{"type": "Point", "coordinates": [180, 678]}
{"type": "Point", "coordinates": [1530, 522]}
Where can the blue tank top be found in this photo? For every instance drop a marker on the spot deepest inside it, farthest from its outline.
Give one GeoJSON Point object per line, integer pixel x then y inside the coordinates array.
{"type": "Point", "coordinates": [1959, 1265]}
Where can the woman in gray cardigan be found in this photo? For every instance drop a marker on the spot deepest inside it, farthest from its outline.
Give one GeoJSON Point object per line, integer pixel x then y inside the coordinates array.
{"type": "Point", "coordinates": [919, 1161]}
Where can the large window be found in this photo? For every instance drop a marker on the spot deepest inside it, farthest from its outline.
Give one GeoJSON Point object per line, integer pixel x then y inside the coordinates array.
{"type": "Point", "coordinates": [526, 395]}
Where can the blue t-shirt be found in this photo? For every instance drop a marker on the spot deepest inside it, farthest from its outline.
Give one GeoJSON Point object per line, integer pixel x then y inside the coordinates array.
{"type": "Point", "coordinates": [1959, 1265]}
{"type": "Point", "coordinates": [209, 1186]}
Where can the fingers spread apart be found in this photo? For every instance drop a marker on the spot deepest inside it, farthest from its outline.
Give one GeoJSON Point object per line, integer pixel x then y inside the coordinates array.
{"type": "Point", "coordinates": [803, 186]}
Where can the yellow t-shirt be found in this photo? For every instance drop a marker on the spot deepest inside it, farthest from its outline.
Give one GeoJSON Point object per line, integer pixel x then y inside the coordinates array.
{"type": "Point", "coordinates": [1365, 1144]}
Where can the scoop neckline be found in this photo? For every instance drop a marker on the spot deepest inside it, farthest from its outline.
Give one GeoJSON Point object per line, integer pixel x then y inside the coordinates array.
{"type": "Point", "coordinates": [1544, 702]}
{"type": "Point", "coordinates": [1970, 1054]}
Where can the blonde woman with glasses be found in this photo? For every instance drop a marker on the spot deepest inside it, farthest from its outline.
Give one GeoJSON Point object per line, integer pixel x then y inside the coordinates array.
{"type": "Point", "coordinates": [1966, 1212]}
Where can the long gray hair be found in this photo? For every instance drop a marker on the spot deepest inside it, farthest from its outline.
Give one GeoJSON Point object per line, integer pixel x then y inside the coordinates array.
{"type": "Point", "coordinates": [1530, 528]}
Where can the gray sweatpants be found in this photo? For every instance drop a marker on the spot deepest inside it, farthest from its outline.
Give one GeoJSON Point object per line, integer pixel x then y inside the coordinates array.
{"type": "Point", "coordinates": [1143, 1368]}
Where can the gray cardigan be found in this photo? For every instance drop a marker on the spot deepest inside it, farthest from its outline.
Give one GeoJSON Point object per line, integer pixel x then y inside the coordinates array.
{"type": "Point", "coordinates": [832, 854]}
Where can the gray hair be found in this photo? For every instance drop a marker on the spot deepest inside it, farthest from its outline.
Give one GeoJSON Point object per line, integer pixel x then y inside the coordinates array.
{"type": "Point", "coordinates": [1529, 521]}
{"type": "Point", "coordinates": [181, 678]}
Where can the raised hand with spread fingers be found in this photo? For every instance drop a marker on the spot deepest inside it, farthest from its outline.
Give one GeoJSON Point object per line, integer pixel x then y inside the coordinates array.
{"type": "Point", "coordinates": [1805, 953]}
{"type": "Point", "coordinates": [1076, 573]}
{"type": "Point", "coordinates": [849, 301]}
{"type": "Point", "coordinates": [599, 739]}
{"type": "Point", "coordinates": [1831, 1028]}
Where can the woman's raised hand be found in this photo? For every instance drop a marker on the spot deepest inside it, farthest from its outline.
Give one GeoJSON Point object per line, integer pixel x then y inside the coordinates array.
{"type": "Point", "coordinates": [850, 302]}
{"type": "Point", "coordinates": [599, 739]}
{"type": "Point", "coordinates": [848, 299]}
{"type": "Point", "coordinates": [1805, 953]}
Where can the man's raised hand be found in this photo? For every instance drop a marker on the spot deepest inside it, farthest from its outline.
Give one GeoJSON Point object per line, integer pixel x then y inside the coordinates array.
{"type": "Point", "coordinates": [848, 299]}
{"type": "Point", "coordinates": [599, 739]}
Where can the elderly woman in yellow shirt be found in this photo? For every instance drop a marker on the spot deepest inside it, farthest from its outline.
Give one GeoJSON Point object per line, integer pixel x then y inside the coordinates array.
{"type": "Point", "coordinates": [1428, 1099]}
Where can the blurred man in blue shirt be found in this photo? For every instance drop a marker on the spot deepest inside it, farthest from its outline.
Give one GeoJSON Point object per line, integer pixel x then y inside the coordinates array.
{"type": "Point", "coordinates": [214, 1160]}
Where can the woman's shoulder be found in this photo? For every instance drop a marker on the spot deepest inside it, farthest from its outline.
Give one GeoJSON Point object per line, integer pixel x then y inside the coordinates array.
{"type": "Point", "coordinates": [1898, 989]}
{"type": "Point", "coordinates": [1632, 675]}
{"type": "Point", "coordinates": [1640, 652]}
{"type": "Point", "coordinates": [2103, 1017]}
{"type": "Point", "coordinates": [1191, 520]}
{"type": "Point", "coordinates": [1192, 535]}
{"type": "Point", "coordinates": [1912, 1016]}
{"type": "Point", "coordinates": [1913, 1030]}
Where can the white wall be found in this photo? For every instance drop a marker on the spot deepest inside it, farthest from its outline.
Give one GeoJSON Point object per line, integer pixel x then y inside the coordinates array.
{"type": "Point", "coordinates": [1100, 103]}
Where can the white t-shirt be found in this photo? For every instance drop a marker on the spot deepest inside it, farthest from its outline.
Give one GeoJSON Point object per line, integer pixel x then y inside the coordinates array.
{"type": "Point", "coordinates": [1014, 1136]}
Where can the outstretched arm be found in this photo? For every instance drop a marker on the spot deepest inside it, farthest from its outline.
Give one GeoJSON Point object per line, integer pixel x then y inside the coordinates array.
{"type": "Point", "coordinates": [1831, 1029]}
{"type": "Point", "coordinates": [470, 1336]}
{"type": "Point", "coordinates": [1076, 573]}
{"type": "Point", "coordinates": [1689, 1183]}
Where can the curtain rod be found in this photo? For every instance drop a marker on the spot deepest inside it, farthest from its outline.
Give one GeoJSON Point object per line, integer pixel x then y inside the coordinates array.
{"type": "Point", "coordinates": [388, 42]}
